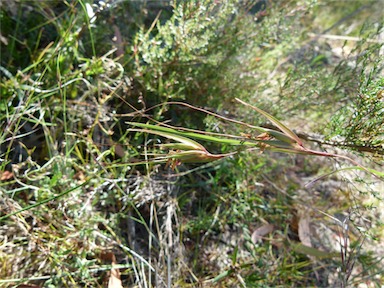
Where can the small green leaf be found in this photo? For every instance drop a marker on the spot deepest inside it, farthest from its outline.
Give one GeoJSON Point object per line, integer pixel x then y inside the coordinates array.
{"type": "Point", "coordinates": [222, 275]}
{"type": "Point", "coordinates": [234, 255]}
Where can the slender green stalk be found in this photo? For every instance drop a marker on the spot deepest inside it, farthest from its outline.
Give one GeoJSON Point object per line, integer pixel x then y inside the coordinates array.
{"type": "Point", "coordinates": [45, 200]}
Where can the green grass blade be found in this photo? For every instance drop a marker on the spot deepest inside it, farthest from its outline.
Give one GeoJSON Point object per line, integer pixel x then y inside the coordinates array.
{"type": "Point", "coordinates": [280, 144]}
{"type": "Point", "coordinates": [276, 122]}
{"type": "Point", "coordinates": [45, 201]}
{"type": "Point", "coordinates": [186, 142]}
{"type": "Point", "coordinates": [193, 156]}
{"type": "Point", "coordinates": [193, 135]}
{"type": "Point", "coordinates": [303, 249]}
{"type": "Point", "coordinates": [280, 136]}
{"type": "Point", "coordinates": [174, 146]}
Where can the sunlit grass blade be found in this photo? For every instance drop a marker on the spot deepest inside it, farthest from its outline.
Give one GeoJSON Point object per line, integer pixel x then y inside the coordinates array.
{"type": "Point", "coordinates": [288, 150]}
{"type": "Point", "coordinates": [281, 144]}
{"type": "Point", "coordinates": [186, 142]}
{"type": "Point", "coordinates": [303, 249]}
{"type": "Point", "coordinates": [198, 136]}
{"type": "Point", "coordinates": [45, 200]}
{"type": "Point", "coordinates": [192, 156]}
{"type": "Point", "coordinates": [279, 136]}
{"type": "Point", "coordinates": [276, 122]}
{"type": "Point", "coordinates": [373, 171]}
{"type": "Point", "coordinates": [174, 146]}
{"type": "Point", "coordinates": [186, 151]}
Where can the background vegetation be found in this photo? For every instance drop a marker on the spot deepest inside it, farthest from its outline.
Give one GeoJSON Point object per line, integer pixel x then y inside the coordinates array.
{"type": "Point", "coordinates": [84, 203]}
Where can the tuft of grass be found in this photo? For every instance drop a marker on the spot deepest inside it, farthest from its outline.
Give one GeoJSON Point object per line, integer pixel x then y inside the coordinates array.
{"type": "Point", "coordinates": [125, 156]}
